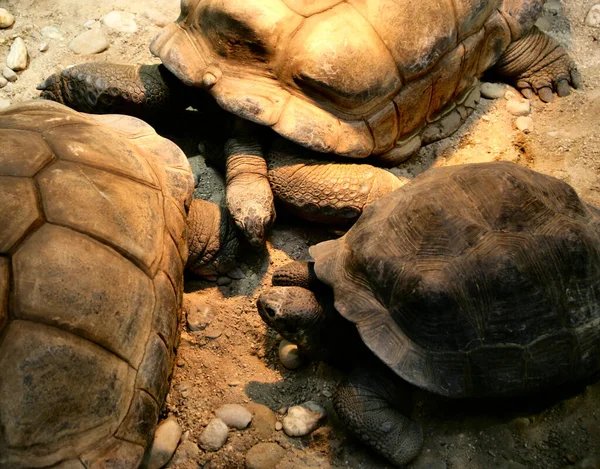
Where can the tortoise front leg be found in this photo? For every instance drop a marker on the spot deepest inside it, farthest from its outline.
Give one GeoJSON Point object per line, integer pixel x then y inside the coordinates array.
{"type": "Point", "coordinates": [537, 63]}
{"type": "Point", "coordinates": [248, 193]}
{"type": "Point", "coordinates": [366, 401]}
{"type": "Point", "coordinates": [146, 91]}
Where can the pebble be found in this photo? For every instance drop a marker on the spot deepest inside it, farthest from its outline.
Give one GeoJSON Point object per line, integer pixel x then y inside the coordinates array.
{"type": "Point", "coordinates": [3, 81]}
{"type": "Point", "coordinates": [234, 416]}
{"type": "Point", "coordinates": [518, 107]}
{"type": "Point", "coordinates": [166, 438]}
{"type": "Point", "coordinates": [214, 436]}
{"type": "Point", "coordinates": [4, 103]}
{"type": "Point", "coordinates": [593, 17]}
{"type": "Point", "coordinates": [524, 124]}
{"type": "Point", "coordinates": [187, 451]}
{"type": "Point", "coordinates": [200, 314]}
{"type": "Point", "coordinates": [6, 19]}
{"type": "Point", "coordinates": [120, 21]}
{"type": "Point", "coordinates": [289, 355]}
{"type": "Point", "coordinates": [213, 332]}
{"type": "Point", "coordinates": [303, 419]}
{"type": "Point", "coordinates": [43, 47]}
{"type": "Point", "coordinates": [493, 90]}
{"type": "Point", "coordinates": [17, 57]}
{"type": "Point", "coordinates": [51, 32]}
{"type": "Point", "coordinates": [156, 17]}
{"type": "Point", "coordinates": [264, 456]}
{"type": "Point", "coordinates": [263, 420]}
{"type": "Point", "coordinates": [9, 74]}
{"type": "Point", "coordinates": [278, 426]}
{"type": "Point", "coordinates": [91, 24]}
{"type": "Point", "coordinates": [223, 280]}
{"type": "Point", "coordinates": [89, 42]}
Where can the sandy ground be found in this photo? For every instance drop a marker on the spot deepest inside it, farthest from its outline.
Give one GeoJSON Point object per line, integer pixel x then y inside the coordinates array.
{"type": "Point", "coordinates": [234, 360]}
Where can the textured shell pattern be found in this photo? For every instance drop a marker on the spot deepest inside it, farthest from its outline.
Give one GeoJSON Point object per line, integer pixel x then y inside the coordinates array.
{"type": "Point", "coordinates": [474, 280]}
{"type": "Point", "coordinates": [92, 249]}
{"type": "Point", "coordinates": [349, 77]}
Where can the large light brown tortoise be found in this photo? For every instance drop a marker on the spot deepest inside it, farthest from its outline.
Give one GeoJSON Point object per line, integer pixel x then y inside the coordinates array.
{"type": "Point", "coordinates": [471, 281]}
{"type": "Point", "coordinates": [97, 223]}
{"type": "Point", "coordinates": [365, 81]}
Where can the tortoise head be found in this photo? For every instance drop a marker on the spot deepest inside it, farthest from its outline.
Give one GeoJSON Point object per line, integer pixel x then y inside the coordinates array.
{"type": "Point", "coordinates": [295, 313]}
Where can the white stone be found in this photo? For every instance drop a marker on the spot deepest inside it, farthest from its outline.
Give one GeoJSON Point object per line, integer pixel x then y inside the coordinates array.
{"type": "Point", "coordinates": [17, 57]}
{"type": "Point", "coordinates": [593, 17]}
{"type": "Point", "coordinates": [120, 21]}
{"type": "Point", "coordinates": [518, 107]}
{"type": "Point", "coordinates": [524, 124]}
{"type": "Point", "coordinates": [214, 436]}
{"type": "Point", "coordinates": [4, 103]}
{"type": "Point", "coordinates": [52, 32]}
{"type": "Point", "coordinates": [166, 439]}
{"type": "Point", "coordinates": [91, 24]}
{"type": "Point", "coordinates": [6, 19]}
{"type": "Point", "coordinates": [43, 47]}
{"type": "Point", "coordinates": [493, 90]}
{"type": "Point", "coordinates": [234, 416]}
{"type": "Point", "coordinates": [289, 355]}
{"type": "Point", "coordinates": [9, 74]}
{"type": "Point", "coordinates": [156, 17]}
{"type": "Point", "coordinates": [89, 42]}
{"type": "Point", "coordinates": [303, 419]}
{"type": "Point", "coordinates": [3, 81]}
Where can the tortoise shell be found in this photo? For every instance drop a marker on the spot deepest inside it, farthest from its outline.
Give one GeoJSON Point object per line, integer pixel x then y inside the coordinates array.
{"type": "Point", "coordinates": [92, 249]}
{"type": "Point", "coordinates": [474, 280]}
{"type": "Point", "coordinates": [351, 77]}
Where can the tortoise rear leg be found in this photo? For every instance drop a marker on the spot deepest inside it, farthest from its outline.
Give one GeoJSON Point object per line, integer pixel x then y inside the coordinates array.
{"type": "Point", "coordinates": [367, 403]}
{"type": "Point", "coordinates": [537, 63]}
{"type": "Point", "coordinates": [102, 88]}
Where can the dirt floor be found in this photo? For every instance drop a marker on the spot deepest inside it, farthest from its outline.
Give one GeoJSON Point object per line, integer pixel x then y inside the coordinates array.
{"type": "Point", "coordinates": [235, 359]}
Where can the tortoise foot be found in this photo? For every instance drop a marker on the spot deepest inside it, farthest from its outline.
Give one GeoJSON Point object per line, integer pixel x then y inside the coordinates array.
{"type": "Point", "coordinates": [537, 64]}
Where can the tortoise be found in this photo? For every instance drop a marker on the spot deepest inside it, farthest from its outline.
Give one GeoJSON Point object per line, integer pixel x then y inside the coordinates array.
{"type": "Point", "coordinates": [93, 244]}
{"type": "Point", "coordinates": [366, 81]}
{"type": "Point", "coordinates": [479, 280]}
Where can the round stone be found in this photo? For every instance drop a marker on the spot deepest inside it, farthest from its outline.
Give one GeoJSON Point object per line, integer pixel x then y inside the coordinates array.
{"type": "Point", "coordinates": [6, 19]}
{"type": "Point", "coordinates": [166, 438]}
{"type": "Point", "coordinates": [289, 355]}
{"type": "Point", "coordinates": [89, 42]}
{"type": "Point", "coordinates": [199, 313]}
{"type": "Point", "coordinates": [524, 124]}
{"type": "Point", "coordinates": [9, 74]}
{"type": "Point", "coordinates": [493, 90]}
{"type": "Point", "coordinates": [18, 56]}
{"type": "Point", "coordinates": [593, 17]}
{"type": "Point", "coordinates": [303, 419]}
{"type": "Point", "coordinates": [518, 107]}
{"type": "Point", "coordinates": [234, 416]}
{"type": "Point", "coordinates": [120, 21]}
{"type": "Point", "coordinates": [214, 436]}
{"type": "Point", "coordinates": [264, 456]}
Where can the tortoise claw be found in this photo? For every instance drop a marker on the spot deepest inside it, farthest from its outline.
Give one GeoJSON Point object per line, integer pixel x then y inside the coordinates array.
{"type": "Point", "coordinates": [576, 79]}
{"type": "Point", "coordinates": [563, 88]}
{"type": "Point", "coordinates": [545, 94]}
{"type": "Point", "coordinates": [527, 93]}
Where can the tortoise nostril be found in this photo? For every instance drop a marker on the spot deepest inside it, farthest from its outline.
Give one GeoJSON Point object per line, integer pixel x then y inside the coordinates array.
{"type": "Point", "coordinates": [270, 311]}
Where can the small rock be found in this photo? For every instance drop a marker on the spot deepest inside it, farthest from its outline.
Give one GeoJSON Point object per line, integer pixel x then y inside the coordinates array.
{"type": "Point", "coordinates": [524, 124]}
{"type": "Point", "coordinates": [6, 19]}
{"type": "Point", "coordinates": [199, 315]}
{"type": "Point", "coordinates": [91, 24]}
{"type": "Point", "coordinates": [214, 436]}
{"type": "Point", "coordinates": [264, 456]}
{"type": "Point", "coordinates": [9, 74]}
{"type": "Point", "coordinates": [263, 420]}
{"type": "Point", "coordinates": [165, 442]}
{"type": "Point", "coordinates": [493, 90]}
{"type": "Point", "coordinates": [4, 103]}
{"type": "Point", "coordinates": [43, 47]}
{"type": "Point", "coordinates": [327, 393]}
{"type": "Point", "coordinates": [518, 107]}
{"type": "Point", "coordinates": [234, 415]}
{"type": "Point", "coordinates": [89, 42]}
{"type": "Point", "coordinates": [3, 81]}
{"type": "Point", "coordinates": [187, 451]}
{"type": "Point", "coordinates": [236, 273]}
{"type": "Point", "coordinates": [51, 32]}
{"type": "Point", "coordinates": [157, 17]}
{"type": "Point", "coordinates": [17, 57]}
{"type": "Point", "coordinates": [593, 17]}
{"type": "Point", "coordinates": [223, 280]}
{"type": "Point", "coordinates": [303, 419]}
{"type": "Point", "coordinates": [278, 426]}
{"type": "Point", "coordinates": [120, 21]}
{"type": "Point", "coordinates": [289, 355]}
